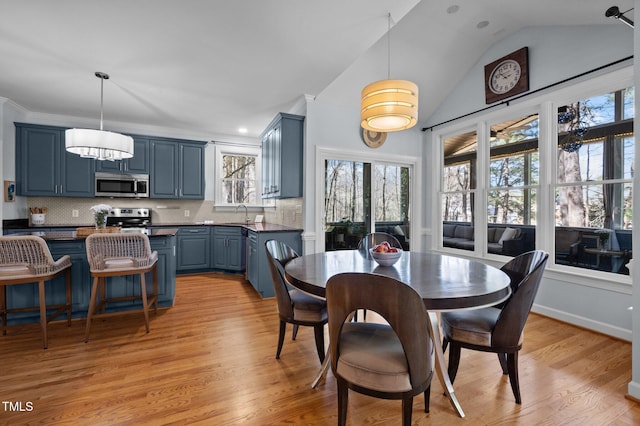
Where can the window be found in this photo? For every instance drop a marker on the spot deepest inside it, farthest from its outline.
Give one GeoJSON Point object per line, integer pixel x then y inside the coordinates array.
{"type": "Point", "coordinates": [237, 175]}
{"type": "Point", "coordinates": [577, 205]}
{"type": "Point", "coordinates": [593, 189]}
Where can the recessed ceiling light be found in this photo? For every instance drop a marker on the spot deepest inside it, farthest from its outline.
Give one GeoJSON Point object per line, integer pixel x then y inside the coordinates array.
{"type": "Point", "coordinates": [453, 9]}
{"type": "Point", "coordinates": [482, 24]}
{"type": "Point", "coordinates": [242, 130]}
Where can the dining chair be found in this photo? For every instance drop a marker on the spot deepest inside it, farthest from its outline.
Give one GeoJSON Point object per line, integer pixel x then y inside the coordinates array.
{"type": "Point", "coordinates": [120, 254]}
{"type": "Point", "coordinates": [27, 259]}
{"type": "Point", "coordinates": [294, 306]}
{"type": "Point", "coordinates": [499, 328]}
{"type": "Point", "coordinates": [391, 360]}
{"type": "Point", "coordinates": [369, 241]}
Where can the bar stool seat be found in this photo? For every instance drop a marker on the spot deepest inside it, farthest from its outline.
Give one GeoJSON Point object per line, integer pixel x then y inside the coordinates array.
{"type": "Point", "coordinates": [27, 259]}
{"type": "Point", "coordinates": [117, 254]}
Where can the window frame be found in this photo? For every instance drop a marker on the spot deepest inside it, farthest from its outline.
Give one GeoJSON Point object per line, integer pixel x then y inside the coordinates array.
{"type": "Point", "coordinates": [240, 150]}
{"type": "Point", "coordinates": [545, 106]}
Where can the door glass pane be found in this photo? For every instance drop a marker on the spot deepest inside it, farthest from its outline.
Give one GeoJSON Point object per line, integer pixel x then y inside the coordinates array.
{"type": "Point", "coordinates": [392, 201]}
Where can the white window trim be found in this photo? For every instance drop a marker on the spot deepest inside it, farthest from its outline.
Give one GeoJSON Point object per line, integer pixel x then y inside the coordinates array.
{"type": "Point", "coordinates": [545, 104]}
{"type": "Point", "coordinates": [230, 149]}
{"type": "Point", "coordinates": [415, 195]}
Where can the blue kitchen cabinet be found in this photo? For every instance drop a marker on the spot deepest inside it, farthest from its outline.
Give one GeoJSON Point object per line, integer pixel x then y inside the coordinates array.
{"type": "Point", "coordinates": [258, 272]}
{"type": "Point", "coordinates": [26, 295]}
{"type": "Point", "coordinates": [177, 168]}
{"type": "Point", "coordinates": [282, 144]}
{"type": "Point", "coordinates": [194, 248]}
{"type": "Point", "coordinates": [138, 164]}
{"type": "Point", "coordinates": [45, 168]}
{"type": "Point", "coordinates": [228, 248]}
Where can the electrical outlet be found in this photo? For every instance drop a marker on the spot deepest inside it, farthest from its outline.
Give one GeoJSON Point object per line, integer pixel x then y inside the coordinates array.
{"type": "Point", "coordinates": [74, 213]}
{"type": "Point", "coordinates": [187, 213]}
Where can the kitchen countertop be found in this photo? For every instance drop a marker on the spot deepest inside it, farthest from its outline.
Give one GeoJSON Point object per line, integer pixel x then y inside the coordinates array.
{"type": "Point", "coordinates": [71, 235]}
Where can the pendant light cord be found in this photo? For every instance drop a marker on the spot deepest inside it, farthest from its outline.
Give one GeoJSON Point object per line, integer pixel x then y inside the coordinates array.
{"type": "Point", "coordinates": [389, 46]}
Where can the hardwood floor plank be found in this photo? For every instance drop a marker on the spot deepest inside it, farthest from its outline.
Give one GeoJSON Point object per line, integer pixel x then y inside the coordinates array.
{"type": "Point", "coordinates": [210, 359]}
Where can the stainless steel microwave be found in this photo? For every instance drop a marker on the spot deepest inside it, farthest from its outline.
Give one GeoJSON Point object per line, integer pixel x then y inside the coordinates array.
{"type": "Point", "coordinates": [122, 185]}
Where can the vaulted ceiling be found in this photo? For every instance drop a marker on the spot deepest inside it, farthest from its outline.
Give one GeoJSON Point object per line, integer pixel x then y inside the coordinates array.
{"type": "Point", "coordinates": [209, 67]}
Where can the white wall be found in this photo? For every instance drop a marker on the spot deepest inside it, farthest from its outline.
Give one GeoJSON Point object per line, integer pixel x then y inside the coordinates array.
{"type": "Point", "coordinates": [9, 113]}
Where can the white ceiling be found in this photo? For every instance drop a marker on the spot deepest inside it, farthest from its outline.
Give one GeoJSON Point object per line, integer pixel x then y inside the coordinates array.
{"type": "Point", "coordinates": [211, 66]}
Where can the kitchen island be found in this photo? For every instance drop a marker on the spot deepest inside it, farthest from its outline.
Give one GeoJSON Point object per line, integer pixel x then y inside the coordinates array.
{"type": "Point", "coordinates": [162, 240]}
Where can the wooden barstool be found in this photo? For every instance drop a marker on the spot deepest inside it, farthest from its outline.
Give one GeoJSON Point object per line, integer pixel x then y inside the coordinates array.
{"type": "Point", "coordinates": [27, 259]}
{"type": "Point", "coordinates": [117, 254]}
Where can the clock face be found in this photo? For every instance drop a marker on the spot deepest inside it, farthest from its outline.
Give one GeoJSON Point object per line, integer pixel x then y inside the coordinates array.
{"type": "Point", "coordinates": [505, 76]}
{"type": "Point", "coordinates": [372, 139]}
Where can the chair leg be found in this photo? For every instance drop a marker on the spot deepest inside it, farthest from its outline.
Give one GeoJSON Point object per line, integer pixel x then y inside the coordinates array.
{"type": "Point", "coordinates": [407, 408]}
{"type": "Point", "coordinates": [318, 331]}
{"type": "Point", "coordinates": [155, 287]}
{"type": "Point", "coordinates": [427, 397]}
{"type": "Point", "coordinates": [512, 363]}
{"type": "Point", "coordinates": [283, 330]}
{"type": "Point", "coordinates": [43, 313]}
{"type": "Point", "coordinates": [343, 401]}
{"type": "Point", "coordinates": [295, 332]}
{"type": "Point", "coordinates": [92, 306]}
{"type": "Point", "coordinates": [503, 363]}
{"type": "Point", "coordinates": [68, 299]}
{"type": "Point", "coordinates": [454, 360]}
{"type": "Point", "coordinates": [145, 302]}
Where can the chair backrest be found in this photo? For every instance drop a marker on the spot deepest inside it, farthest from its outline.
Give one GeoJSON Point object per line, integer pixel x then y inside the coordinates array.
{"type": "Point", "coordinates": [396, 302]}
{"type": "Point", "coordinates": [104, 246]}
{"type": "Point", "coordinates": [24, 254]}
{"type": "Point", "coordinates": [370, 240]}
{"type": "Point", "coordinates": [526, 272]}
{"type": "Point", "coordinates": [278, 255]}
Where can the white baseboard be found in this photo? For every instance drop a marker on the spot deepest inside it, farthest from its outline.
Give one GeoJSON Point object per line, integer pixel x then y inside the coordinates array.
{"type": "Point", "coordinates": [590, 324]}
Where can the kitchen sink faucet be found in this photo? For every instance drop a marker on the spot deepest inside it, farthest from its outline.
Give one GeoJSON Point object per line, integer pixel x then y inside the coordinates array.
{"type": "Point", "coordinates": [246, 213]}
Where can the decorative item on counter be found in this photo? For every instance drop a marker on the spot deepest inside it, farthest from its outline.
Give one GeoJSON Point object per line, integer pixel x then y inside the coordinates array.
{"type": "Point", "coordinates": [37, 215]}
{"type": "Point", "coordinates": [100, 212]}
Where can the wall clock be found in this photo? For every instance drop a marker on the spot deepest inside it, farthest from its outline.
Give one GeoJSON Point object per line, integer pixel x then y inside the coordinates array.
{"type": "Point", "coordinates": [372, 139]}
{"type": "Point", "coordinates": [507, 76]}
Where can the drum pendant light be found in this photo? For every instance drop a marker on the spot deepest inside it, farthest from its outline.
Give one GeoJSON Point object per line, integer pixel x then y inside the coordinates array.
{"type": "Point", "coordinates": [99, 144]}
{"type": "Point", "coordinates": [389, 105]}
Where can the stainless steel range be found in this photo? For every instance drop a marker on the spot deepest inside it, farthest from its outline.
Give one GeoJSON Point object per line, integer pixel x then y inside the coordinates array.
{"type": "Point", "coordinates": [131, 219]}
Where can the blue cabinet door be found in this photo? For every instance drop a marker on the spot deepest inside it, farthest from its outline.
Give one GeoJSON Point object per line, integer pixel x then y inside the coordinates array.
{"type": "Point", "coordinates": [282, 147]}
{"type": "Point", "coordinates": [193, 247]}
{"type": "Point", "coordinates": [164, 169]}
{"type": "Point", "coordinates": [45, 168]}
{"type": "Point", "coordinates": [258, 272]}
{"type": "Point", "coordinates": [228, 248]}
{"type": "Point", "coordinates": [191, 171]}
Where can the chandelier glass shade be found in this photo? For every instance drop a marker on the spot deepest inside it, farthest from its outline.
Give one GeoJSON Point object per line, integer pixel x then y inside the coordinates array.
{"type": "Point", "coordinates": [99, 144]}
{"type": "Point", "coordinates": [389, 106]}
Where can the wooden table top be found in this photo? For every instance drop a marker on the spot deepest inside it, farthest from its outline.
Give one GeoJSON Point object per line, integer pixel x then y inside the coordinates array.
{"type": "Point", "coordinates": [444, 282]}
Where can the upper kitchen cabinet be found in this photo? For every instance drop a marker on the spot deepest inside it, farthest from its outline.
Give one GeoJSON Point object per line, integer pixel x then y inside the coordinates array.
{"type": "Point", "coordinates": [177, 168]}
{"type": "Point", "coordinates": [44, 168]}
{"type": "Point", "coordinates": [138, 164]}
{"type": "Point", "coordinates": [282, 144]}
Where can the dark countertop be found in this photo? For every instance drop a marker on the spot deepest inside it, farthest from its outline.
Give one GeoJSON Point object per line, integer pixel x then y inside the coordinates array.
{"type": "Point", "coordinates": [256, 227]}
{"type": "Point", "coordinates": [71, 235]}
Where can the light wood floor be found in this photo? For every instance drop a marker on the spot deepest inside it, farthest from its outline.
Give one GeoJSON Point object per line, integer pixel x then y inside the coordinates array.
{"type": "Point", "coordinates": [210, 360]}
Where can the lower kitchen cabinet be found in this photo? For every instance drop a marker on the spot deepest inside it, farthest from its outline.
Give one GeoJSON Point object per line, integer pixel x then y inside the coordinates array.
{"type": "Point", "coordinates": [258, 272]}
{"type": "Point", "coordinates": [194, 249]}
{"type": "Point", "coordinates": [26, 295]}
{"type": "Point", "coordinates": [228, 248]}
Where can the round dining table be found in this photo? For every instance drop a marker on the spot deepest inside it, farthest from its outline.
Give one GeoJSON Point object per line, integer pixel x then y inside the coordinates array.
{"type": "Point", "coordinates": [444, 283]}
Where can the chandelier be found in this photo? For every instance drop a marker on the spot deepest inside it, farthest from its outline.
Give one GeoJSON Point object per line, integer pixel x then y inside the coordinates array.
{"type": "Point", "coordinates": [99, 144]}
{"type": "Point", "coordinates": [389, 105]}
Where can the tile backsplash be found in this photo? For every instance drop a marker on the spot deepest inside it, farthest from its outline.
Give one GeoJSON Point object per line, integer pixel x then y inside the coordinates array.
{"type": "Point", "coordinates": [60, 211]}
